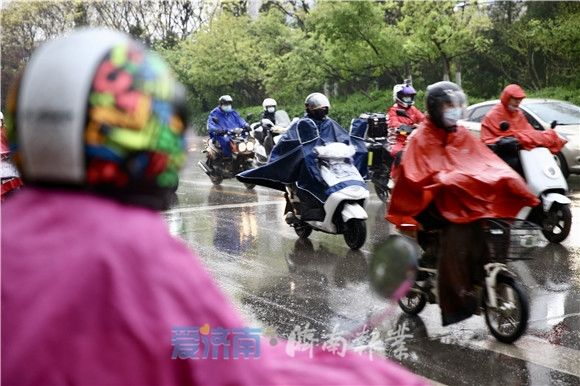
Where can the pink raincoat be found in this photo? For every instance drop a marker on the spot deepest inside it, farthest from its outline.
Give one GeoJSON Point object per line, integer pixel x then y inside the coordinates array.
{"type": "Point", "coordinates": [91, 290]}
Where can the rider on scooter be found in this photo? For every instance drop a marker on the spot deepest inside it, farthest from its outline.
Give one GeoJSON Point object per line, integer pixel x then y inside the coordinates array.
{"type": "Point", "coordinates": [222, 119]}
{"type": "Point", "coordinates": [402, 116]}
{"type": "Point", "coordinates": [267, 118]}
{"type": "Point", "coordinates": [269, 105]}
{"type": "Point", "coordinates": [448, 180]}
{"type": "Point", "coordinates": [507, 110]}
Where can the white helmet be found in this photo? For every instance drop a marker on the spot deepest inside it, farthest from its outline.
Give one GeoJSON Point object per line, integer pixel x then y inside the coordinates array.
{"type": "Point", "coordinates": [117, 126]}
{"type": "Point", "coordinates": [316, 101]}
{"type": "Point", "coordinates": [269, 102]}
{"type": "Point", "coordinates": [226, 99]}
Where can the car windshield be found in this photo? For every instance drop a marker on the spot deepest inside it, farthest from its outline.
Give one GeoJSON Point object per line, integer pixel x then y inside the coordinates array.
{"type": "Point", "coordinates": [563, 113]}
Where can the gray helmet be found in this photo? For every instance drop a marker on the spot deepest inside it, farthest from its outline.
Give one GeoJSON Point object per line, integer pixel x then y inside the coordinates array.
{"type": "Point", "coordinates": [316, 101]}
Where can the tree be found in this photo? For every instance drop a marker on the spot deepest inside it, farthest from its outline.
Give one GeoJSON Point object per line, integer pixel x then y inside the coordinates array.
{"type": "Point", "coordinates": [357, 46]}
{"type": "Point", "coordinates": [442, 31]}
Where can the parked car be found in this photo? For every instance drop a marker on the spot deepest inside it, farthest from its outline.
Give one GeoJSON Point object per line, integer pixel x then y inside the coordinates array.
{"type": "Point", "coordinates": [542, 115]}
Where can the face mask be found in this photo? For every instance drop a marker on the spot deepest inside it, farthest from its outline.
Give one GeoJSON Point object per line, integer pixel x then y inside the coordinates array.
{"type": "Point", "coordinates": [227, 108]}
{"type": "Point", "coordinates": [512, 108]}
{"type": "Point", "coordinates": [451, 116]}
{"type": "Point", "coordinates": [407, 99]}
{"type": "Point", "coordinates": [270, 109]}
{"type": "Point", "coordinates": [318, 114]}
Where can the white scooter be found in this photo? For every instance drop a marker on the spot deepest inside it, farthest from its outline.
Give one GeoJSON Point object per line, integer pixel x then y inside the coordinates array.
{"type": "Point", "coordinates": [546, 181]}
{"type": "Point", "coordinates": [344, 209]}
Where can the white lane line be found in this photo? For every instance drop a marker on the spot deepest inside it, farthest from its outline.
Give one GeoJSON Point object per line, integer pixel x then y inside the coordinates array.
{"type": "Point", "coordinates": [536, 351]}
{"type": "Point", "coordinates": [223, 206]}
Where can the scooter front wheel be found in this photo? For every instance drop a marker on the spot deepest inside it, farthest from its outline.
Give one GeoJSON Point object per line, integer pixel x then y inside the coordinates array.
{"type": "Point", "coordinates": [383, 194]}
{"type": "Point", "coordinates": [557, 222]}
{"type": "Point", "coordinates": [249, 186]}
{"type": "Point", "coordinates": [216, 180]}
{"type": "Point", "coordinates": [355, 233]}
{"type": "Point", "coordinates": [303, 230]}
{"type": "Point", "coordinates": [413, 302]}
{"type": "Point", "coordinates": [509, 319]}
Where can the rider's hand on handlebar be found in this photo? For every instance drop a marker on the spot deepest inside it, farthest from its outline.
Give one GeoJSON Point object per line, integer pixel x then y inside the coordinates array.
{"type": "Point", "coordinates": [405, 129]}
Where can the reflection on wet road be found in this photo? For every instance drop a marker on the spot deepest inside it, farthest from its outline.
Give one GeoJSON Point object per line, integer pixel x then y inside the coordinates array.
{"type": "Point", "coordinates": [279, 282]}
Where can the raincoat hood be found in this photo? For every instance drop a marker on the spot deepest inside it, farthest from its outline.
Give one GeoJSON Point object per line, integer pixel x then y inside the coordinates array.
{"type": "Point", "coordinates": [511, 91]}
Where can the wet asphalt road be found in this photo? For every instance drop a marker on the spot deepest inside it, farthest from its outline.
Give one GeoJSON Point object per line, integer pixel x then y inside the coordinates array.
{"type": "Point", "coordinates": [280, 283]}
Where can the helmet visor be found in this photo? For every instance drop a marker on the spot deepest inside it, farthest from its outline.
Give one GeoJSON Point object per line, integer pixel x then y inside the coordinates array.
{"type": "Point", "coordinates": [455, 98]}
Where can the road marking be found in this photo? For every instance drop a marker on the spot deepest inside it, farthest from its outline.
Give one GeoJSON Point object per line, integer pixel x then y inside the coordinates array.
{"type": "Point", "coordinates": [223, 206]}
{"type": "Point", "coordinates": [536, 351]}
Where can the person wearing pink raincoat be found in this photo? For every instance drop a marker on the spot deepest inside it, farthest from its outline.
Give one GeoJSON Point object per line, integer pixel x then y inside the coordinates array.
{"type": "Point", "coordinates": [94, 288]}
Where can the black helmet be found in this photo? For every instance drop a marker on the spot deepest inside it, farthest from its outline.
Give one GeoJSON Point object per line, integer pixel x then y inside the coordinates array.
{"type": "Point", "coordinates": [117, 126]}
{"type": "Point", "coordinates": [443, 94]}
{"type": "Point", "coordinates": [317, 105]}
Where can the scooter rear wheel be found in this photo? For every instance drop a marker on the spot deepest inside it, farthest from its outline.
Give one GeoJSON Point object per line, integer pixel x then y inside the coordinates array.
{"type": "Point", "coordinates": [355, 233]}
{"type": "Point", "coordinates": [557, 222]}
{"type": "Point", "coordinates": [509, 320]}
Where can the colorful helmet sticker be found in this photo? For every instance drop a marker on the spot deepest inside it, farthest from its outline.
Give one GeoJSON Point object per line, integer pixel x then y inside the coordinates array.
{"type": "Point", "coordinates": [134, 133]}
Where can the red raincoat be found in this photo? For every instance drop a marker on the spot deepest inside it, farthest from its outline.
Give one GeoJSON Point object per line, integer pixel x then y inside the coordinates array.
{"type": "Point", "coordinates": [464, 178]}
{"type": "Point", "coordinates": [415, 116]}
{"type": "Point", "coordinates": [520, 128]}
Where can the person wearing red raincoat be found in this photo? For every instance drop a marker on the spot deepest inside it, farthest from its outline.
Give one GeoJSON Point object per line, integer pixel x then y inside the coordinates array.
{"type": "Point", "coordinates": [402, 117]}
{"type": "Point", "coordinates": [449, 180]}
{"type": "Point", "coordinates": [507, 110]}
{"type": "Point", "coordinates": [95, 290]}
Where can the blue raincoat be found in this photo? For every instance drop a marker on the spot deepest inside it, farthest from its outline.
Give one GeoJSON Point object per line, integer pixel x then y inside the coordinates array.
{"type": "Point", "coordinates": [225, 121]}
{"type": "Point", "coordinates": [293, 159]}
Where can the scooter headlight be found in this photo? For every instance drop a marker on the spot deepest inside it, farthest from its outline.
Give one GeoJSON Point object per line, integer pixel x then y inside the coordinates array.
{"type": "Point", "coordinates": [250, 146]}
{"type": "Point", "coordinates": [242, 147]}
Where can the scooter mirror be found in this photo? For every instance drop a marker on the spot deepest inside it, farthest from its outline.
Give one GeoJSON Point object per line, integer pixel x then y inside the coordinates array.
{"type": "Point", "coordinates": [393, 266]}
{"type": "Point", "coordinates": [504, 125]}
{"type": "Point", "coordinates": [553, 124]}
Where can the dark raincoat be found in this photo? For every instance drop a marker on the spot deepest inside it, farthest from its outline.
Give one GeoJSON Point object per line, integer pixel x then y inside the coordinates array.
{"type": "Point", "coordinates": [293, 159]}
{"type": "Point", "coordinates": [520, 128]}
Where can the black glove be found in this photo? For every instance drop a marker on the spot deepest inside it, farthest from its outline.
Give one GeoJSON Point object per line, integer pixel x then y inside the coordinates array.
{"type": "Point", "coordinates": [247, 128]}
{"type": "Point", "coordinates": [221, 132]}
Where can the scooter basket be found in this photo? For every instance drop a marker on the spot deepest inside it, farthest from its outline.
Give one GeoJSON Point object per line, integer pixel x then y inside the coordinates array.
{"type": "Point", "coordinates": [511, 239]}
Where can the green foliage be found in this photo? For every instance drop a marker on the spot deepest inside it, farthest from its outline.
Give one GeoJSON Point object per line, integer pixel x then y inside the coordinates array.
{"type": "Point", "coordinates": [354, 51]}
